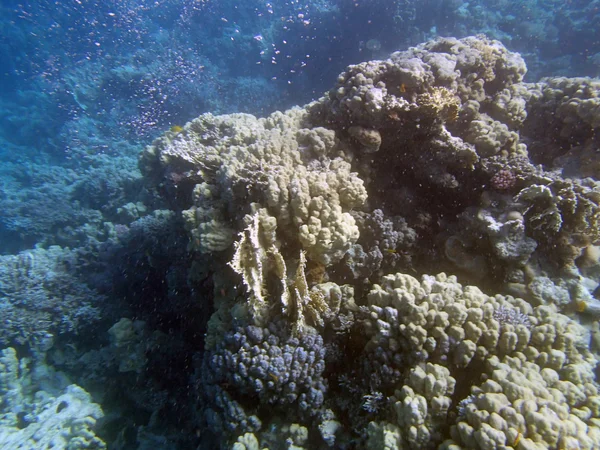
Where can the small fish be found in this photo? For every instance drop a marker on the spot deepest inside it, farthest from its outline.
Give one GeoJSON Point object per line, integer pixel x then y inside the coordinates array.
{"type": "Point", "coordinates": [403, 88]}
{"type": "Point", "coordinates": [176, 129]}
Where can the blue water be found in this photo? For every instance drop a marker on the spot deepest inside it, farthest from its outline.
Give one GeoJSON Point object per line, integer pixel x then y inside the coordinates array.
{"type": "Point", "coordinates": [104, 285]}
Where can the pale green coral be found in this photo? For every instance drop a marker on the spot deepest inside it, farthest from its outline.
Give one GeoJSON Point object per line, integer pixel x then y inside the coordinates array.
{"type": "Point", "coordinates": [522, 400]}
{"type": "Point", "coordinates": [438, 314]}
{"type": "Point", "coordinates": [130, 341]}
{"type": "Point", "coordinates": [301, 175]}
{"type": "Point", "coordinates": [384, 436]}
{"type": "Point", "coordinates": [246, 442]}
{"type": "Point", "coordinates": [530, 373]}
{"type": "Point", "coordinates": [575, 101]}
{"type": "Point", "coordinates": [276, 435]}
{"type": "Point", "coordinates": [490, 137]}
{"type": "Point", "coordinates": [510, 104]}
{"type": "Point", "coordinates": [422, 404]}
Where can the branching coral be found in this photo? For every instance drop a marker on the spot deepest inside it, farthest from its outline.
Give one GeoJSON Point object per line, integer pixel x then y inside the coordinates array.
{"type": "Point", "coordinates": [42, 297]}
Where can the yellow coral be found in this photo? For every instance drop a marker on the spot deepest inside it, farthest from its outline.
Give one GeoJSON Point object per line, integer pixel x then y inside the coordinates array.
{"type": "Point", "coordinates": [441, 102]}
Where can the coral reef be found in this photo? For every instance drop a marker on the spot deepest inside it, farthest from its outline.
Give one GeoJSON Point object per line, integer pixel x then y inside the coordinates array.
{"type": "Point", "coordinates": [105, 93]}
{"type": "Point", "coordinates": [267, 363]}
{"type": "Point", "coordinates": [271, 275]}
{"type": "Point", "coordinates": [67, 206]}
{"type": "Point", "coordinates": [305, 307]}
{"type": "Point", "coordinates": [298, 174]}
{"type": "Point", "coordinates": [563, 125]}
{"type": "Point", "coordinates": [41, 297]}
{"type": "Point", "coordinates": [512, 371]}
{"type": "Point", "coordinates": [33, 418]}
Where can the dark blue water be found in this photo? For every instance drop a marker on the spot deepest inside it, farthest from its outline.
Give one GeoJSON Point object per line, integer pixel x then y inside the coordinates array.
{"type": "Point", "coordinates": [229, 282]}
